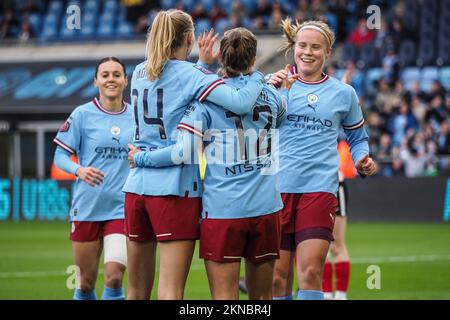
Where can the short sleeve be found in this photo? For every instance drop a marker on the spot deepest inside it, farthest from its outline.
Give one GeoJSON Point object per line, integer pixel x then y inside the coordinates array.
{"type": "Point", "coordinates": [69, 134]}
{"type": "Point", "coordinates": [195, 119]}
{"type": "Point", "coordinates": [199, 81]}
{"type": "Point", "coordinates": [354, 118]}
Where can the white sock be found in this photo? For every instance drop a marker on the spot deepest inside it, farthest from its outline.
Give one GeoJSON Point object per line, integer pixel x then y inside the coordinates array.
{"type": "Point", "coordinates": [328, 295]}
{"type": "Point", "coordinates": [340, 295]}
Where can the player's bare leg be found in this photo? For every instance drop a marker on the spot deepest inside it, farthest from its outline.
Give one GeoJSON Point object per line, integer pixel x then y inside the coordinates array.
{"type": "Point", "coordinates": [311, 255]}
{"type": "Point", "coordinates": [114, 272]}
{"type": "Point", "coordinates": [141, 269]}
{"type": "Point", "coordinates": [175, 261]}
{"type": "Point", "coordinates": [223, 278]}
{"type": "Point", "coordinates": [338, 247]}
{"type": "Point", "coordinates": [283, 276]}
{"type": "Point", "coordinates": [259, 277]}
{"type": "Point", "coordinates": [87, 257]}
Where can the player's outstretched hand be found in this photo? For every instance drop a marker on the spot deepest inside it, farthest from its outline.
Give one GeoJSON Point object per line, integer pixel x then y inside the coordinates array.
{"type": "Point", "coordinates": [131, 153]}
{"type": "Point", "coordinates": [366, 166]}
{"type": "Point", "coordinates": [90, 175]}
{"type": "Point", "coordinates": [282, 79]}
{"type": "Point", "coordinates": [206, 42]}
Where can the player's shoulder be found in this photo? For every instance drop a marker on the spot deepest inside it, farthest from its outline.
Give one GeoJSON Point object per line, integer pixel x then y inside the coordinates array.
{"type": "Point", "coordinates": [83, 109]}
{"type": "Point", "coordinates": [340, 86]}
{"type": "Point", "coordinates": [189, 68]}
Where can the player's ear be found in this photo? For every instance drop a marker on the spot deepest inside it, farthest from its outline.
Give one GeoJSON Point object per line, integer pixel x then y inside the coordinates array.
{"type": "Point", "coordinates": [252, 63]}
{"type": "Point", "coordinates": [190, 38]}
{"type": "Point", "coordinates": [95, 82]}
{"type": "Point", "coordinates": [126, 82]}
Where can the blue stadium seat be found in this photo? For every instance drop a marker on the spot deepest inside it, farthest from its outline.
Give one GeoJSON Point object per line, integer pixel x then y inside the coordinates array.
{"type": "Point", "coordinates": [110, 6]}
{"type": "Point", "coordinates": [408, 75]}
{"type": "Point", "coordinates": [407, 53]}
{"type": "Point", "coordinates": [208, 4]}
{"type": "Point", "coordinates": [369, 56]}
{"type": "Point", "coordinates": [55, 7]}
{"type": "Point", "coordinates": [426, 53]}
{"type": "Point", "coordinates": [167, 4]}
{"type": "Point", "coordinates": [91, 6]}
{"type": "Point", "coordinates": [444, 77]}
{"type": "Point", "coordinates": [222, 25]}
{"type": "Point", "coordinates": [350, 53]}
{"type": "Point", "coordinates": [35, 21]}
{"type": "Point", "coordinates": [202, 25]}
{"type": "Point", "coordinates": [225, 5]}
{"type": "Point", "coordinates": [66, 33]}
{"type": "Point", "coordinates": [50, 27]}
{"type": "Point", "coordinates": [373, 75]}
{"type": "Point", "coordinates": [105, 26]}
{"type": "Point", "coordinates": [124, 29]}
{"type": "Point", "coordinates": [428, 75]}
{"type": "Point", "coordinates": [249, 5]}
{"type": "Point", "coordinates": [88, 24]}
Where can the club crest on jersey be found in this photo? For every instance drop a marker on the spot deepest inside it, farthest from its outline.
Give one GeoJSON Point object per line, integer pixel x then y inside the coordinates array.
{"type": "Point", "coordinates": [204, 70]}
{"type": "Point", "coordinates": [66, 125]}
{"type": "Point", "coordinates": [312, 98]}
{"type": "Point", "coordinates": [115, 130]}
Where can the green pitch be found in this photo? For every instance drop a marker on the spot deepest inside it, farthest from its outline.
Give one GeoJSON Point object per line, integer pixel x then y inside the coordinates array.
{"type": "Point", "coordinates": [413, 260]}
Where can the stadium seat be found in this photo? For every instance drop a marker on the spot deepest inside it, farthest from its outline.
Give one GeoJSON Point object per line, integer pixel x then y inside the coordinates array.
{"type": "Point", "coordinates": [50, 28]}
{"type": "Point", "coordinates": [202, 25]}
{"type": "Point", "coordinates": [167, 4]}
{"type": "Point", "coordinates": [207, 4]}
{"type": "Point", "coordinates": [426, 53]}
{"type": "Point", "coordinates": [407, 53]}
{"type": "Point", "coordinates": [428, 75]}
{"type": "Point", "coordinates": [408, 75]}
{"type": "Point", "coordinates": [124, 29]}
{"type": "Point", "coordinates": [350, 53]}
{"type": "Point", "coordinates": [222, 25]}
{"type": "Point", "coordinates": [91, 6]}
{"type": "Point", "coordinates": [110, 6]}
{"type": "Point", "coordinates": [372, 75]}
{"type": "Point", "coordinates": [369, 56]}
{"type": "Point", "coordinates": [35, 21]}
{"type": "Point", "coordinates": [225, 5]}
{"type": "Point", "coordinates": [444, 77]}
{"type": "Point", "coordinates": [55, 7]}
{"type": "Point", "coordinates": [66, 33]}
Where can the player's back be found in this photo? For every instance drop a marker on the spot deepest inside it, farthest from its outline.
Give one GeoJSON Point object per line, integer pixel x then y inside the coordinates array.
{"type": "Point", "coordinates": [158, 108]}
{"type": "Point", "coordinates": [240, 176]}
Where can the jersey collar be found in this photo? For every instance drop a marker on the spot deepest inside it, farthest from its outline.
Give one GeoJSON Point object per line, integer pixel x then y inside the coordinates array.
{"type": "Point", "coordinates": [99, 106]}
{"type": "Point", "coordinates": [325, 77]}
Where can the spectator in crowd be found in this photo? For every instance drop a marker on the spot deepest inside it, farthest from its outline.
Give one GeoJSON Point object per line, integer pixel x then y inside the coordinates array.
{"type": "Point", "coordinates": [361, 35]}
{"type": "Point", "coordinates": [261, 14]}
{"type": "Point", "coordinates": [25, 32]}
{"type": "Point", "coordinates": [216, 14]}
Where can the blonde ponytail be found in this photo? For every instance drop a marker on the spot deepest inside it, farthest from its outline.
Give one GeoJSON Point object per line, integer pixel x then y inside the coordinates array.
{"type": "Point", "coordinates": [165, 36]}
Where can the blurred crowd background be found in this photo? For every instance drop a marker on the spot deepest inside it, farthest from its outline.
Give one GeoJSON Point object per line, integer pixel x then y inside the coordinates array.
{"type": "Point", "coordinates": [401, 71]}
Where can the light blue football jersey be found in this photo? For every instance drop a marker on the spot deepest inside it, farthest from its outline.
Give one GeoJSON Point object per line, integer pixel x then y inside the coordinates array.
{"type": "Point", "coordinates": [309, 159]}
{"type": "Point", "coordinates": [158, 108]}
{"type": "Point", "coordinates": [240, 180]}
{"type": "Point", "coordinates": [99, 138]}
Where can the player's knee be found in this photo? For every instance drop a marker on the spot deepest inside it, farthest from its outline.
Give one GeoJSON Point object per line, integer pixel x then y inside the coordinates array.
{"type": "Point", "coordinates": [279, 282]}
{"type": "Point", "coordinates": [114, 280]}
{"type": "Point", "coordinates": [311, 275]}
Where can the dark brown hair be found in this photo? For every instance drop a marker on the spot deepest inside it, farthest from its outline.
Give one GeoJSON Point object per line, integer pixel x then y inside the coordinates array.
{"type": "Point", "coordinates": [238, 49]}
{"type": "Point", "coordinates": [110, 59]}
